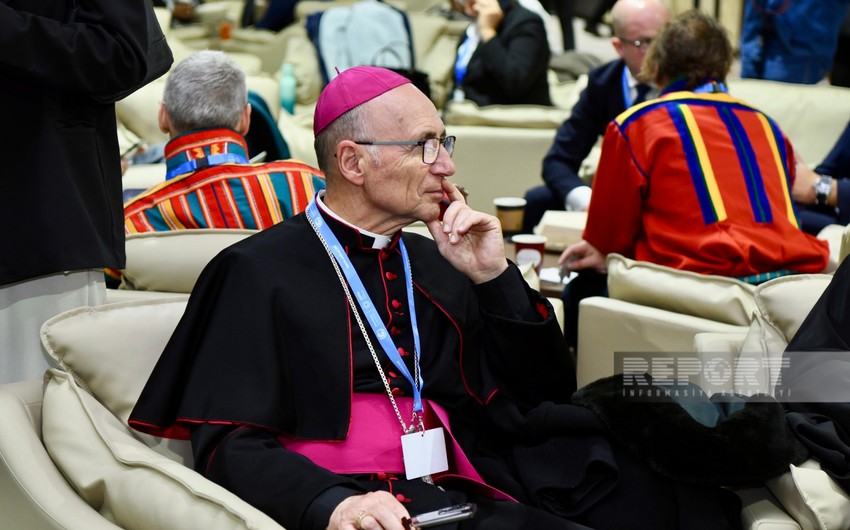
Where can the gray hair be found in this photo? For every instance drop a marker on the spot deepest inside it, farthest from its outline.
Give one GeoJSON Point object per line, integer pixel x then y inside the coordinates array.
{"type": "Point", "coordinates": [353, 125]}
{"type": "Point", "coordinates": [206, 90]}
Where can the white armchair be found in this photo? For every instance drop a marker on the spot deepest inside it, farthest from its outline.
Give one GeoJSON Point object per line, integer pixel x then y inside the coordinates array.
{"type": "Point", "coordinates": [652, 308]}
{"type": "Point", "coordinates": [68, 458]}
{"type": "Point", "coordinates": [807, 493]}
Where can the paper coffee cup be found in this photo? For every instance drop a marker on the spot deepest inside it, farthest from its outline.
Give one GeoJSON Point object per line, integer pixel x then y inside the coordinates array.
{"type": "Point", "coordinates": [530, 249]}
{"type": "Point", "coordinates": [510, 211]}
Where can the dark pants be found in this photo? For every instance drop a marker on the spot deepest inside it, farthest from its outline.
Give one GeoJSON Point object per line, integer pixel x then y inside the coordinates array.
{"type": "Point", "coordinates": [586, 284]}
{"type": "Point", "coordinates": [538, 200]}
{"type": "Point", "coordinates": [815, 219]}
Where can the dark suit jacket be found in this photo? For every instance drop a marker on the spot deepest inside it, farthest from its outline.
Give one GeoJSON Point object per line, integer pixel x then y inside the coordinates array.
{"type": "Point", "coordinates": [599, 103]}
{"type": "Point", "coordinates": [837, 164]}
{"type": "Point", "coordinates": [60, 190]}
{"type": "Point", "coordinates": [511, 68]}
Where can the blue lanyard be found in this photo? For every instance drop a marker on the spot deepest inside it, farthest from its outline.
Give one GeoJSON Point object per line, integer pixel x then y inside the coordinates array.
{"type": "Point", "coordinates": [464, 53]}
{"type": "Point", "coordinates": [201, 163]}
{"type": "Point", "coordinates": [368, 308]}
{"type": "Point", "coordinates": [627, 91]}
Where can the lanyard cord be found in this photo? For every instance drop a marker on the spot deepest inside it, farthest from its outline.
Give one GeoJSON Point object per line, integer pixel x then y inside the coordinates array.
{"type": "Point", "coordinates": [206, 161]}
{"type": "Point", "coordinates": [416, 419]}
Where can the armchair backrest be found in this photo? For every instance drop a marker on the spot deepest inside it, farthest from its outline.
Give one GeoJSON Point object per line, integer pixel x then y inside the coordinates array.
{"type": "Point", "coordinates": [715, 298]}
{"type": "Point", "coordinates": [172, 261]}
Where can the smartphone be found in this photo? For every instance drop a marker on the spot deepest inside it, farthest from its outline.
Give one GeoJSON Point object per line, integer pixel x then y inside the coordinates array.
{"type": "Point", "coordinates": [451, 514]}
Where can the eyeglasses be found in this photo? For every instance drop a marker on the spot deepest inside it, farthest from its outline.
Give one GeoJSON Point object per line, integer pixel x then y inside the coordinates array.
{"type": "Point", "coordinates": [430, 147]}
{"type": "Point", "coordinates": [641, 44]}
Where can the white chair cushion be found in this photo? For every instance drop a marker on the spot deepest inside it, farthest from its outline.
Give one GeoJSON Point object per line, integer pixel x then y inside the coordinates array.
{"type": "Point", "coordinates": [127, 482]}
{"type": "Point", "coordinates": [785, 302]}
{"type": "Point", "coordinates": [110, 350]}
{"type": "Point", "coordinates": [706, 296]}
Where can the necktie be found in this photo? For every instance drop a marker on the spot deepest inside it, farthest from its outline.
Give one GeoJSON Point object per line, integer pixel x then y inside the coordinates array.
{"type": "Point", "coordinates": [248, 14]}
{"type": "Point", "coordinates": [642, 91]}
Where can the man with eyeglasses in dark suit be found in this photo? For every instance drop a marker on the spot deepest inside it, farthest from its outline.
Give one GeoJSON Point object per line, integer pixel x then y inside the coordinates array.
{"type": "Point", "coordinates": [611, 89]}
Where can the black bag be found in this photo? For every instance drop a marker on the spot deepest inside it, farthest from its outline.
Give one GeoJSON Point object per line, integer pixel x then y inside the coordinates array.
{"type": "Point", "coordinates": [159, 57]}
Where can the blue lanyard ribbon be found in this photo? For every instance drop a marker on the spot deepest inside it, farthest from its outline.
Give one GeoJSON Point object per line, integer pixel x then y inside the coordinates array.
{"type": "Point", "coordinates": [627, 91]}
{"type": "Point", "coordinates": [368, 308]}
{"type": "Point", "coordinates": [207, 161]}
{"type": "Point", "coordinates": [464, 53]}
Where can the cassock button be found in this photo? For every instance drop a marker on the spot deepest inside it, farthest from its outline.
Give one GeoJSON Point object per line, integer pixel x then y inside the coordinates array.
{"type": "Point", "coordinates": [403, 352]}
{"type": "Point", "coordinates": [395, 331]}
{"type": "Point", "coordinates": [396, 304]}
{"type": "Point", "coordinates": [390, 276]}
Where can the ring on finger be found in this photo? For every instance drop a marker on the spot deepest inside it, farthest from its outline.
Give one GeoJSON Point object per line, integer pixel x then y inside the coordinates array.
{"type": "Point", "coordinates": [358, 519]}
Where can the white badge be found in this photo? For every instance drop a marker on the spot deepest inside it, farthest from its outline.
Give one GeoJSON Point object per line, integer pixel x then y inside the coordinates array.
{"type": "Point", "coordinates": [424, 453]}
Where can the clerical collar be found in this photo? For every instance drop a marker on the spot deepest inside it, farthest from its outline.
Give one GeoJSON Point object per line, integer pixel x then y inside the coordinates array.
{"type": "Point", "coordinates": [379, 241]}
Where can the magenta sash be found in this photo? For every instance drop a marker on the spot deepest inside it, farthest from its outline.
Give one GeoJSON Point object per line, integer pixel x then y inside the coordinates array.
{"type": "Point", "coordinates": [373, 445]}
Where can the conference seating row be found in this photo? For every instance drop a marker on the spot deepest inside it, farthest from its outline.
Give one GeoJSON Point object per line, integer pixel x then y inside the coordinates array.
{"type": "Point", "coordinates": [68, 459]}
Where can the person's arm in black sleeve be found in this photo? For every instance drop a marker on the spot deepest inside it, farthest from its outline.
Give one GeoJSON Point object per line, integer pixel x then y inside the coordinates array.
{"type": "Point", "coordinates": [574, 140]}
{"type": "Point", "coordinates": [254, 465]}
{"type": "Point", "coordinates": [102, 51]}
{"type": "Point", "coordinates": [524, 340]}
{"type": "Point", "coordinates": [515, 64]}
{"type": "Point", "coordinates": [837, 165]}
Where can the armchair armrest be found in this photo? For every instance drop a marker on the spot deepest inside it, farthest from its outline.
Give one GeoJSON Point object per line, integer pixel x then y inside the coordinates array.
{"type": "Point", "coordinates": [761, 511]}
{"type": "Point", "coordinates": [607, 326]}
{"type": "Point", "coordinates": [33, 493]}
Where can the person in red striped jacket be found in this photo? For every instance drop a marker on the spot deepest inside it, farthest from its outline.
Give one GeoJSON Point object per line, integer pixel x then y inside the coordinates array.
{"type": "Point", "coordinates": [209, 181]}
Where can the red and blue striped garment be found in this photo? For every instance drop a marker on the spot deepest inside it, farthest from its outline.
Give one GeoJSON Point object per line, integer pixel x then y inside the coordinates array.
{"type": "Point", "coordinates": [700, 182]}
{"type": "Point", "coordinates": [228, 195]}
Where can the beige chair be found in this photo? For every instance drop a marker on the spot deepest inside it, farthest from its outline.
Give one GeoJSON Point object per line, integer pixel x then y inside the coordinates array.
{"type": "Point", "coordinates": [33, 492]}
{"type": "Point", "coordinates": [808, 494]}
{"type": "Point", "coordinates": [652, 308]}
{"type": "Point", "coordinates": [802, 498]}
{"type": "Point", "coordinates": [67, 457]}
{"type": "Point", "coordinates": [169, 263]}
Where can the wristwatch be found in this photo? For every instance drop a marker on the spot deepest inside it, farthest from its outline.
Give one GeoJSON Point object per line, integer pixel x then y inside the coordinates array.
{"type": "Point", "coordinates": [823, 185]}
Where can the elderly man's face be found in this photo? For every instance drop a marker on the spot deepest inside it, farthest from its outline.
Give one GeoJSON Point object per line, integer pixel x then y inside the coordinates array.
{"type": "Point", "coordinates": [401, 184]}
